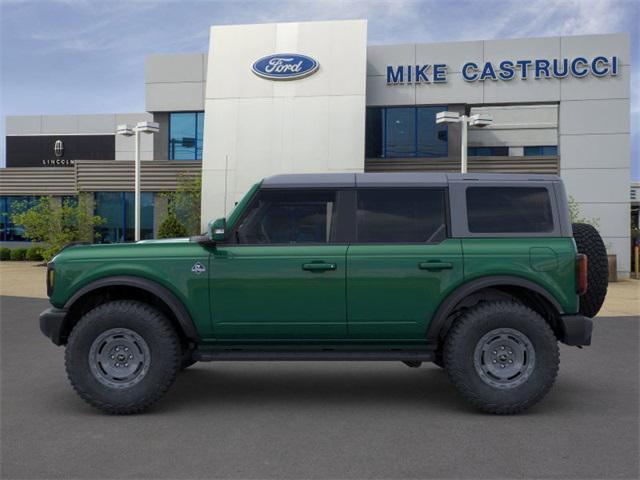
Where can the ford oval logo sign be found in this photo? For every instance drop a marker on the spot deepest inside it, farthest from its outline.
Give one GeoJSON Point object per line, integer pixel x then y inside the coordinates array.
{"type": "Point", "coordinates": [285, 66]}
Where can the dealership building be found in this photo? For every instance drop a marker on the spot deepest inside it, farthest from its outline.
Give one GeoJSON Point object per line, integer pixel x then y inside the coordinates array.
{"type": "Point", "coordinates": [314, 97]}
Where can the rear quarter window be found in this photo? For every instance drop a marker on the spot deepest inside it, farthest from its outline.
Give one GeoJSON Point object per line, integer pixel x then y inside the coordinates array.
{"type": "Point", "coordinates": [509, 210]}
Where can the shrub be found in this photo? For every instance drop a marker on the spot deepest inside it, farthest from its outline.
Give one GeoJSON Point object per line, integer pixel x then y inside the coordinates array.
{"type": "Point", "coordinates": [34, 254]}
{"type": "Point", "coordinates": [184, 203]}
{"type": "Point", "coordinates": [171, 228]}
{"type": "Point", "coordinates": [57, 225]}
{"type": "Point", "coordinates": [18, 254]}
{"type": "Point", "coordinates": [5, 253]}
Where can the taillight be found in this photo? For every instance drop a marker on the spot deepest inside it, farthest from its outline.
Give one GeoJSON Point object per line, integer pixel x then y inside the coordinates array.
{"type": "Point", "coordinates": [581, 274]}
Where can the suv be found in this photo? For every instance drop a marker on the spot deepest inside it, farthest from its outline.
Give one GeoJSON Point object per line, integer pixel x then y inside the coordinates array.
{"type": "Point", "coordinates": [480, 274]}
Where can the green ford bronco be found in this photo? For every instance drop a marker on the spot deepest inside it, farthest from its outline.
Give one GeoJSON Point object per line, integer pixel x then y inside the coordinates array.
{"type": "Point", "coordinates": [481, 274]}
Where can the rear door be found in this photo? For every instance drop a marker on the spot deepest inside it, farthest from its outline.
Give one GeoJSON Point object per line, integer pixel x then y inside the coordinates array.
{"type": "Point", "coordinates": [284, 275]}
{"type": "Point", "coordinates": [402, 263]}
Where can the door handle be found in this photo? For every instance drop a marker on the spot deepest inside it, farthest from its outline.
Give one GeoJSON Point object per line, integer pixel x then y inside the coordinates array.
{"type": "Point", "coordinates": [435, 266]}
{"type": "Point", "coordinates": [319, 267]}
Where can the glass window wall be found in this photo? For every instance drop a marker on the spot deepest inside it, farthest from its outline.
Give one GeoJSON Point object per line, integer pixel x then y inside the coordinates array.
{"type": "Point", "coordinates": [185, 135]}
{"type": "Point", "coordinates": [401, 132]}
{"type": "Point", "coordinates": [117, 208]}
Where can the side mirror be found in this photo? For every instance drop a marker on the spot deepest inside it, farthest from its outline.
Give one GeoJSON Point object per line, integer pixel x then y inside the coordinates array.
{"type": "Point", "coordinates": [218, 229]}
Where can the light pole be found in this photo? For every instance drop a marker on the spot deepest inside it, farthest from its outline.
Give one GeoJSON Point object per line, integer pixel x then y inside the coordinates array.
{"type": "Point", "coordinates": [128, 131]}
{"type": "Point", "coordinates": [477, 120]}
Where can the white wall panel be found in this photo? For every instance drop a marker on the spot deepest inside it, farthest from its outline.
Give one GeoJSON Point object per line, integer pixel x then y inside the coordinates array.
{"type": "Point", "coordinates": [520, 91]}
{"type": "Point", "coordinates": [314, 124]}
{"type": "Point", "coordinates": [23, 125]}
{"type": "Point", "coordinates": [516, 138]}
{"type": "Point", "coordinates": [379, 93]}
{"type": "Point", "coordinates": [59, 124]}
{"type": "Point", "coordinates": [620, 246]}
{"type": "Point", "coordinates": [453, 54]}
{"type": "Point", "coordinates": [593, 45]}
{"type": "Point", "coordinates": [455, 90]}
{"type": "Point", "coordinates": [521, 49]}
{"type": "Point", "coordinates": [594, 151]}
{"type": "Point", "coordinates": [591, 87]}
{"type": "Point", "coordinates": [346, 132]}
{"type": "Point", "coordinates": [597, 185]}
{"type": "Point", "coordinates": [175, 97]}
{"type": "Point", "coordinates": [174, 68]}
{"type": "Point", "coordinates": [594, 117]}
{"type": "Point", "coordinates": [379, 56]}
{"type": "Point", "coordinates": [612, 218]}
{"type": "Point", "coordinates": [97, 124]}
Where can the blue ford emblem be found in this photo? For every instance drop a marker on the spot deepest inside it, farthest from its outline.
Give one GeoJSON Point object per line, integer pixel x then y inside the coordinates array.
{"type": "Point", "coordinates": [284, 66]}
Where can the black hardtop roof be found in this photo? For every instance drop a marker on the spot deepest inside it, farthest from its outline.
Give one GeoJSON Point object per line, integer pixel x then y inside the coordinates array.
{"type": "Point", "coordinates": [401, 179]}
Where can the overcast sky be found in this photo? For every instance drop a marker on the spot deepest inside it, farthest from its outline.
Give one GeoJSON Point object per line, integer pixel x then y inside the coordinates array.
{"type": "Point", "coordinates": [87, 56]}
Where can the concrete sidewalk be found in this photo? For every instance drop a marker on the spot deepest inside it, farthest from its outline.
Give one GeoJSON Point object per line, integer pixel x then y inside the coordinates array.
{"type": "Point", "coordinates": [27, 279]}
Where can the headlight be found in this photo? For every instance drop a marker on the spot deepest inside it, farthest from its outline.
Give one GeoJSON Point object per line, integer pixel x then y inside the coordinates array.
{"type": "Point", "coordinates": [51, 278]}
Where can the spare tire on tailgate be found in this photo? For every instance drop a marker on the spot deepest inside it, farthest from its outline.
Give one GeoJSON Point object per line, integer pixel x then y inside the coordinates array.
{"type": "Point", "coordinates": [589, 242]}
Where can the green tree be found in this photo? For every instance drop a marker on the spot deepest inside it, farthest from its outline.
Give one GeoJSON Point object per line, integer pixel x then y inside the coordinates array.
{"type": "Point", "coordinates": [171, 228]}
{"type": "Point", "coordinates": [57, 224]}
{"type": "Point", "coordinates": [184, 203]}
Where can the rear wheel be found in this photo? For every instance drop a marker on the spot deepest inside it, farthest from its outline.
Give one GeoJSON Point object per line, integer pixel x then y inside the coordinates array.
{"type": "Point", "coordinates": [502, 356]}
{"type": "Point", "coordinates": [122, 356]}
{"type": "Point", "coordinates": [589, 242]}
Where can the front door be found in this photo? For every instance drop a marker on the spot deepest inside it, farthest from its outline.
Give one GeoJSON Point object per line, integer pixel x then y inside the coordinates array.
{"type": "Point", "coordinates": [401, 265]}
{"type": "Point", "coordinates": [282, 276]}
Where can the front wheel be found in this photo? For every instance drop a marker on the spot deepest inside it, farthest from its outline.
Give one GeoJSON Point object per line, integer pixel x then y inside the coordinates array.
{"type": "Point", "coordinates": [122, 356]}
{"type": "Point", "coordinates": [502, 356]}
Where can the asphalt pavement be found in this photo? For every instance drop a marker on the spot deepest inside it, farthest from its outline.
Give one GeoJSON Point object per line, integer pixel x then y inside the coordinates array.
{"type": "Point", "coordinates": [318, 420]}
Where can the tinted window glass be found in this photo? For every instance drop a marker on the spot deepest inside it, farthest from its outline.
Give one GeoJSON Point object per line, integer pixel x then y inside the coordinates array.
{"type": "Point", "coordinates": [185, 135]}
{"type": "Point", "coordinates": [8, 207]}
{"type": "Point", "coordinates": [488, 151]}
{"type": "Point", "coordinates": [541, 151]}
{"type": "Point", "coordinates": [373, 136]}
{"type": "Point", "coordinates": [289, 217]}
{"type": "Point", "coordinates": [401, 215]}
{"type": "Point", "coordinates": [400, 132]}
{"type": "Point", "coordinates": [432, 137]}
{"type": "Point", "coordinates": [405, 132]}
{"type": "Point", "coordinates": [509, 210]}
{"type": "Point", "coordinates": [117, 209]}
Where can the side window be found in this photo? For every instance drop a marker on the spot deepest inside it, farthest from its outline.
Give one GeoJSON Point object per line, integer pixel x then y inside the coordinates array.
{"type": "Point", "coordinates": [509, 210]}
{"type": "Point", "coordinates": [401, 215]}
{"type": "Point", "coordinates": [289, 217]}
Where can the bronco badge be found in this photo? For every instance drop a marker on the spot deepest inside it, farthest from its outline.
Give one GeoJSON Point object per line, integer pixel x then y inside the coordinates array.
{"type": "Point", "coordinates": [198, 268]}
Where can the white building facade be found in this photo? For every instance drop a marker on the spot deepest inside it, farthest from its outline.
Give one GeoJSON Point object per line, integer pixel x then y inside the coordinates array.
{"type": "Point", "coordinates": [314, 97]}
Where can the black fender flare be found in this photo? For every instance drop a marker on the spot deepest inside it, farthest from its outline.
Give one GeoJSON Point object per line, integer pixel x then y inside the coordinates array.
{"type": "Point", "coordinates": [175, 305]}
{"type": "Point", "coordinates": [439, 321]}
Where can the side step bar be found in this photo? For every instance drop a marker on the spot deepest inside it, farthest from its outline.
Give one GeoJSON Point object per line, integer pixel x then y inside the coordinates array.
{"type": "Point", "coordinates": [316, 355]}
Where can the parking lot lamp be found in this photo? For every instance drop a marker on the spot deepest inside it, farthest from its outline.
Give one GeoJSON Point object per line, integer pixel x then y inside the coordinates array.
{"type": "Point", "coordinates": [128, 131]}
{"type": "Point", "coordinates": [477, 120]}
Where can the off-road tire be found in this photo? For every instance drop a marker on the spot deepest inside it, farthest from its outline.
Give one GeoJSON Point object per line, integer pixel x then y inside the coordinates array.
{"type": "Point", "coordinates": [164, 350]}
{"type": "Point", "coordinates": [589, 242]}
{"type": "Point", "coordinates": [469, 330]}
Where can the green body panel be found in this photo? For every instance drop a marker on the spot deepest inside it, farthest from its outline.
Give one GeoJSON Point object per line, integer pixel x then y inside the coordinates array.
{"type": "Point", "coordinates": [390, 296]}
{"type": "Point", "coordinates": [263, 292]}
{"type": "Point", "coordinates": [338, 296]}
{"type": "Point", "coordinates": [167, 263]}
{"type": "Point", "coordinates": [547, 262]}
{"type": "Point", "coordinates": [234, 216]}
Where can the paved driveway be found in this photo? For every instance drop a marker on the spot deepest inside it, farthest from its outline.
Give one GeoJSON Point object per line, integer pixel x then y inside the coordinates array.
{"type": "Point", "coordinates": [318, 420]}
